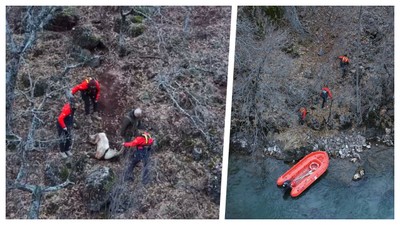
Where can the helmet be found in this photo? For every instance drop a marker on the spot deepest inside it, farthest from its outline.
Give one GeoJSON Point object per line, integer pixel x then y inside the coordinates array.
{"type": "Point", "coordinates": [88, 79]}
{"type": "Point", "coordinates": [92, 83]}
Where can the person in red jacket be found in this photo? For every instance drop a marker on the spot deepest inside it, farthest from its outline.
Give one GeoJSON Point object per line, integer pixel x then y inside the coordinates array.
{"type": "Point", "coordinates": [325, 94]}
{"type": "Point", "coordinates": [65, 123]}
{"type": "Point", "coordinates": [143, 145]}
{"type": "Point", "coordinates": [344, 63]}
{"type": "Point", "coordinates": [303, 114]}
{"type": "Point", "coordinates": [90, 92]}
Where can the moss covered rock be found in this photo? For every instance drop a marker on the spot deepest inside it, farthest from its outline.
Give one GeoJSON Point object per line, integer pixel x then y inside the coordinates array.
{"type": "Point", "coordinates": [64, 19]}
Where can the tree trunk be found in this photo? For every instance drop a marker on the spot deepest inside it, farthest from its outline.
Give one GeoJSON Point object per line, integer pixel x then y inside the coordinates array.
{"type": "Point", "coordinates": [35, 204]}
{"type": "Point", "coordinates": [291, 15]}
{"type": "Point", "coordinates": [11, 80]}
{"type": "Point", "coordinates": [121, 38]}
{"type": "Point", "coordinates": [35, 20]}
{"type": "Point", "coordinates": [358, 94]}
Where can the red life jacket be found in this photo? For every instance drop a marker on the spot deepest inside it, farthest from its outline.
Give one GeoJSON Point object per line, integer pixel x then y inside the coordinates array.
{"type": "Point", "coordinates": [66, 116]}
{"type": "Point", "coordinates": [140, 141]}
{"type": "Point", "coordinates": [344, 59]}
{"type": "Point", "coordinates": [90, 85]}
{"type": "Point", "coordinates": [303, 112]}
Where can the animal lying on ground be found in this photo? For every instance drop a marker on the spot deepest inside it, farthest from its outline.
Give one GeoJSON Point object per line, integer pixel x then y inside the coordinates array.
{"type": "Point", "coordinates": [103, 149]}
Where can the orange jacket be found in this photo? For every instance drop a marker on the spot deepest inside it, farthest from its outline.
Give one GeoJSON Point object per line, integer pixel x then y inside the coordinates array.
{"type": "Point", "coordinates": [327, 90]}
{"type": "Point", "coordinates": [303, 112]}
{"type": "Point", "coordinates": [344, 59]}
{"type": "Point", "coordinates": [65, 112]}
{"type": "Point", "coordinates": [84, 86]}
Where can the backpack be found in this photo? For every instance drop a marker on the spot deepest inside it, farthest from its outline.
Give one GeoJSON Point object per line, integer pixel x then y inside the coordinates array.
{"type": "Point", "coordinates": [92, 87]}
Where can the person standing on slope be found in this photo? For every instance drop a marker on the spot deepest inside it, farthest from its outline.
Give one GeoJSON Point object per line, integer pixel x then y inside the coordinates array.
{"type": "Point", "coordinates": [90, 92]}
{"type": "Point", "coordinates": [143, 144]}
{"type": "Point", "coordinates": [303, 114]}
{"type": "Point", "coordinates": [64, 127]}
{"type": "Point", "coordinates": [344, 63]}
{"type": "Point", "coordinates": [325, 93]}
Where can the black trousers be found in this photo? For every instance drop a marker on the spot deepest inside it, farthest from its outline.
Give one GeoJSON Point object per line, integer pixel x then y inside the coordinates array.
{"type": "Point", "coordinates": [89, 99]}
{"type": "Point", "coordinates": [65, 138]}
{"type": "Point", "coordinates": [343, 66]}
{"type": "Point", "coordinates": [324, 96]}
{"type": "Point", "coordinates": [135, 158]}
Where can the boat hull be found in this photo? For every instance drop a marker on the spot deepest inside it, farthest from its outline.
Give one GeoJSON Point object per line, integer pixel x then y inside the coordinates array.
{"type": "Point", "coordinates": [305, 172]}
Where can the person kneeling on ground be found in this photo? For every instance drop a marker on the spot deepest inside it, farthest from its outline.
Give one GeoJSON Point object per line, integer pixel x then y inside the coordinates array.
{"type": "Point", "coordinates": [143, 145]}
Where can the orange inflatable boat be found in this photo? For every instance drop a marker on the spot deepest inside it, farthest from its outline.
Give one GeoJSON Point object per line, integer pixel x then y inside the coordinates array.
{"type": "Point", "coordinates": [305, 172]}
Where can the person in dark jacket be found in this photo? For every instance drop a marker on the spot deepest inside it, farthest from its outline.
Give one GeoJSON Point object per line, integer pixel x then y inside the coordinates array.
{"type": "Point", "coordinates": [64, 126]}
{"type": "Point", "coordinates": [90, 92]}
{"type": "Point", "coordinates": [143, 144]}
{"type": "Point", "coordinates": [325, 93]}
{"type": "Point", "coordinates": [130, 123]}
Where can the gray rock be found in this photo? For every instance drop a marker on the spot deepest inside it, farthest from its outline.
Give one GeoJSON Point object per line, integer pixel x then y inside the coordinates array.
{"type": "Point", "coordinates": [85, 37]}
{"type": "Point", "coordinates": [94, 62]}
{"type": "Point", "coordinates": [345, 122]}
{"type": "Point", "coordinates": [359, 174]}
{"type": "Point", "coordinates": [98, 185]}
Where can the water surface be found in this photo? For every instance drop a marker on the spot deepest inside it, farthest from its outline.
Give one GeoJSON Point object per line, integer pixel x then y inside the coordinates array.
{"type": "Point", "coordinates": [253, 194]}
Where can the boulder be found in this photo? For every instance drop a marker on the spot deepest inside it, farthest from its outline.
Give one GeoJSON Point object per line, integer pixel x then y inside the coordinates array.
{"type": "Point", "coordinates": [359, 173]}
{"type": "Point", "coordinates": [98, 185]}
{"type": "Point", "coordinates": [63, 20]}
{"type": "Point", "coordinates": [84, 37]}
{"type": "Point", "coordinates": [345, 122]}
{"type": "Point", "coordinates": [136, 30]}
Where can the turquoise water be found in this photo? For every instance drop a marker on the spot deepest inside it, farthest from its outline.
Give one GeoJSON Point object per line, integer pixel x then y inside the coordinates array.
{"type": "Point", "coordinates": [253, 194]}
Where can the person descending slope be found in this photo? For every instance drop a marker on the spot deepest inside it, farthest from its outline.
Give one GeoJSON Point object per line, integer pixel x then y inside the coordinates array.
{"type": "Point", "coordinates": [90, 92]}
{"type": "Point", "coordinates": [325, 94]}
{"type": "Point", "coordinates": [344, 63]}
{"type": "Point", "coordinates": [64, 126]}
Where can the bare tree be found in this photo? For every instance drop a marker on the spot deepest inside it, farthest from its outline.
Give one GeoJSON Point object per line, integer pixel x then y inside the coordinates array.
{"type": "Point", "coordinates": [35, 18]}
{"type": "Point", "coordinates": [122, 30]}
{"type": "Point", "coordinates": [36, 113]}
{"type": "Point", "coordinates": [292, 17]}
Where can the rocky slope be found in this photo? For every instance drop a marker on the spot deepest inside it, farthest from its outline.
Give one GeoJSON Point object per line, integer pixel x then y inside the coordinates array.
{"type": "Point", "coordinates": [170, 61]}
{"type": "Point", "coordinates": [282, 63]}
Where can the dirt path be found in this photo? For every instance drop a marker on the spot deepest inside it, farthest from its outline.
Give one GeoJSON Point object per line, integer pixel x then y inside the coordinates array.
{"type": "Point", "coordinates": [110, 106]}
